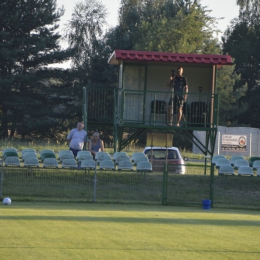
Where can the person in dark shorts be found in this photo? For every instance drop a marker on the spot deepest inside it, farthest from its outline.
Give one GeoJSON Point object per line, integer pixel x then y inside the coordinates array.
{"type": "Point", "coordinates": [179, 86]}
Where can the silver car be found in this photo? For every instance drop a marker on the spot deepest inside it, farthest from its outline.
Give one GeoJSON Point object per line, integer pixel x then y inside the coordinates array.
{"type": "Point", "coordinates": [158, 156]}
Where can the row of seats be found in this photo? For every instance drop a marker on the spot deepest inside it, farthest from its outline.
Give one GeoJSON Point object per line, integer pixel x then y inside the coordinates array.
{"type": "Point", "coordinates": [84, 159]}
{"type": "Point", "coordinates": [243, 167]}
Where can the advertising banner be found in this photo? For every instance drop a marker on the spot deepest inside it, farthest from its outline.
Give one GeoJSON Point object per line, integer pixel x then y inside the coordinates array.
{"type": "Point", "coordinates": [233, 143]}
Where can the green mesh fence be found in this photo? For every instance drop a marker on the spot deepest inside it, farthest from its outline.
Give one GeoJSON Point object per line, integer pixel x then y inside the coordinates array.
{"type": "Point", "coordinates": [22, 183]}
{"type": "Point", "coordinates": [237, 191]}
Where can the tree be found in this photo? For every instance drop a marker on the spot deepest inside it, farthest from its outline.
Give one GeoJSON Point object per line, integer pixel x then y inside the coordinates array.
{"type": "Point", "coordinates": [230, 109]}
{"type": "Point", "coordinates": [85, 29]}
{"type": "Point", "coordinates": [163, 25]}
{"type": "Point", "coordinates": [31, 96]}
{"type": "Point", "coordinates": [242, 42]}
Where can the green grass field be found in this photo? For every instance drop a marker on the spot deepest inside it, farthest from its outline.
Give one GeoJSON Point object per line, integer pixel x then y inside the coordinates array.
{"type": "Point", "coordinates": [113, 231]}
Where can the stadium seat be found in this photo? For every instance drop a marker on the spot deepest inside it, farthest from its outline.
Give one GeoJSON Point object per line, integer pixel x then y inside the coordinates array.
{"type": "Point", "coordinates": [234, 158]}
{"type": "Point", "coordinates": [50, 162]}
{"type": "Point", "coordinates": [116, 154]}
{"type": "Point", "coordinates": [240, 162]}
{"type": "Point", "coordinates": [136, 154]}
{"type": "Point", "coordinates": [144, 166]}
{"type": "Point", "coordinates": [84, 152]}
{"type": "Point", "coordinates": [88, 164]}
{"type": "Point", "coordinates": [106, 164]}
{"type": "Point", "coordinates": [84, 156]}
{"type": "Point", "coordinates": [10, 154]}
{"type": "Point", "coordinates": [252, 159]}
{"type": "Point", "coordinates": [226, 170]}
{"type": "Point", "coordinates": [31, 162]}
{"type": "Point", "coordinates": [122, 158]}
{"type": "Point", "coordinates": [256, 165]}
{"type": "Point", "coordinates": [222, 162]}
{"type": "Point", "coordinates": [10, 149]}
{"type": "Point", "coordinates": [29, 154]}
{"type": "Point", "coordinates": [26, 150]}
{"type": "Point", "coordinates": [47, 155]}
{"type": "Point", "coordinates": [245, 170]}
{"type": "Point", "coordinates": [69, 163]}
{"type": "Point", "coordinates": [46, 151]}
{"type": "Point", "coordinates": [101, 154]}
{"type": "Point", "coordinates": [63, 152]}
{"type": "Point", "coordinates": [125, 165]}
{"type": "Point", "coordinates": [103, 157]}
{"type": "Point", "coordinates": [139, 159]}
{"type": "Point", "coordinates": [66, 156]}
{"type": "Point", "coordinates": [216, 157]}
{"type": "Point", "coordinates": [12, 161]}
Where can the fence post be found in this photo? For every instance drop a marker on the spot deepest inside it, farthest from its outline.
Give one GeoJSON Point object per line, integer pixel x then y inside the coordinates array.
{"type": "Point", "coordinates": [95, 183]}
{"type": "Point", "coordinates": [211, 195]}
{"type": "Point", "coordinates": [165, 184]}
{"type": "Point", "coordinates": [1, 179]}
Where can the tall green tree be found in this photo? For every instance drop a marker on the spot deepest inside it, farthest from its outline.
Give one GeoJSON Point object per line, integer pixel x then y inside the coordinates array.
{"type": "Point", "coordinates": [230, 108]}
{"type": "Point", "coordinates": [164, 25]}
{"type": "Point", "coordinates": [242, 41]}
{"type": "Point", "coordinates": [32, 98]}
{"type": "Point", "coordinates": [85, 29]}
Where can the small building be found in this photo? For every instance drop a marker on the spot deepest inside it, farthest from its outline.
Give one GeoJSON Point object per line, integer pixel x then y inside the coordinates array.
{"type": "Point", "coordinates": [141, 99]}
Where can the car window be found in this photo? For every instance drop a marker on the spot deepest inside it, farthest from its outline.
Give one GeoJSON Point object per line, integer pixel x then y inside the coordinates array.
{"type": "Point", "coordinates": [161, 154]}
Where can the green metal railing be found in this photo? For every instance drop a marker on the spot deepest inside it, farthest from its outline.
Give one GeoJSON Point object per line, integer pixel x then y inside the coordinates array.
{"type": "Point", "coordinates": [124, 107]}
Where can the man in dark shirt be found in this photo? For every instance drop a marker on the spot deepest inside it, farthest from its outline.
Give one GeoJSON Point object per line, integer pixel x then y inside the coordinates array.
{"type": "Point", "coordinates": [179, 86]}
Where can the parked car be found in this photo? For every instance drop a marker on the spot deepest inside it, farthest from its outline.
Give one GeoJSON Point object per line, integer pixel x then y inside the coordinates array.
{"type": "Point", "coordinates": [158, 156]}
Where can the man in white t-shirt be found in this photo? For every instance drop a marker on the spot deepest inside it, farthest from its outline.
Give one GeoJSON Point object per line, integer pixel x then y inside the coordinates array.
{"type": "Point", "coordinates": [77, 138]}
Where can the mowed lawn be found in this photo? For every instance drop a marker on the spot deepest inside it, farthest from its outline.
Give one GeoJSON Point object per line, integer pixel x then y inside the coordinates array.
{"type": "Point", "coordinates": [107, 231]}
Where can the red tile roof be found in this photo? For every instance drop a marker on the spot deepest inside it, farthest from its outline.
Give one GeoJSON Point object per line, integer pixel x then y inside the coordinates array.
{"type": "Point", "coordinates": [210, 59]}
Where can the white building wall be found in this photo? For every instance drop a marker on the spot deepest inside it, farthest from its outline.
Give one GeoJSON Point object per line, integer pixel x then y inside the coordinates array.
{"type": "Point", "coordinates": [253, 140]}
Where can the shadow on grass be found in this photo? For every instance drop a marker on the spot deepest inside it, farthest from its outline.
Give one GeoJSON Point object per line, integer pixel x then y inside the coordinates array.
{"type": "Point", "coordinates": [155, 220]}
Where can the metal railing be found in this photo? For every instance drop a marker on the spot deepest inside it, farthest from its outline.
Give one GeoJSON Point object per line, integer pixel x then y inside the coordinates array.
{"type": "Point", "coordinates": [151, 108]}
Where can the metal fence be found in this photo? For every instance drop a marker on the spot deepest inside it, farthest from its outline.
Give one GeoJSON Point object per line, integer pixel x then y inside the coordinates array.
{"type": "Point", "coordinates": [23, 183]}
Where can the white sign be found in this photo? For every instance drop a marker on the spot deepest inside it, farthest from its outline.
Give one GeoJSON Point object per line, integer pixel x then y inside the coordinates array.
{"type": "Point", "coordinates": [234, 143]}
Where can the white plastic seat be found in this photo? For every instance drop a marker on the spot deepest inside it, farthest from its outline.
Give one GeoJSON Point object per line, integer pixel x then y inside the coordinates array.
{"type": "Point", "coordinates": [103, 157]}
{"type": "Point", "coordinates": [240, 162]}
{"type": "Point", "coordinates": [88, 164]}
{"type": "Point", "coordinates": [29, 154]}
{"type": "Point", "coordinates": [144, 166]}
{"type": "Point", "coordinates": [107, 164]}
{"type": "Point", "coordinates": [12, 161]}
{"type": "Point", "coordinates": [50, 162]}
{"type": "Point", "coordinates": [216, 157]}
{"type": "Point", "coordinates": [256, 165]}
{"type": "Point", "coordinates": [66, 156]}
{"type": "Point", "coordinates": [63, 152]}
{"type": "Point", "coordinates": [222, 162]}
{"type": "Point", "coordinates": [31, 161]}
{"type": "Point", "coordinates": [234, 158]}
{"type": "Point", "coordinates": [84, 152]}
{"type": "Point", "coordinates": [9, 149]}
{"type": "Point", "coordinates": [26, 150]}
{"type": "Point", "coordinates": [122, 158]}
{"type": "Point", "coordinates": [46, 151]}
{"type": "Point", "coordinates": [225, 170]}
{"type": "Point", "coordinates": [116, 154]}
{"type": "Point", "coordinates": [125, 165]}
{"type": "Point", "coordinates": [136, 154]}
{"type": "Point", "coordinates": [69, 163]}
{"type": "Point", "coordinates": [140, 158]}
{"type": "Point", "coordinates": [83, 156]}
{"type": "Point", "coordinates": [245, 170]}
{"type": "Point", "coordinates": [101, 154]}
